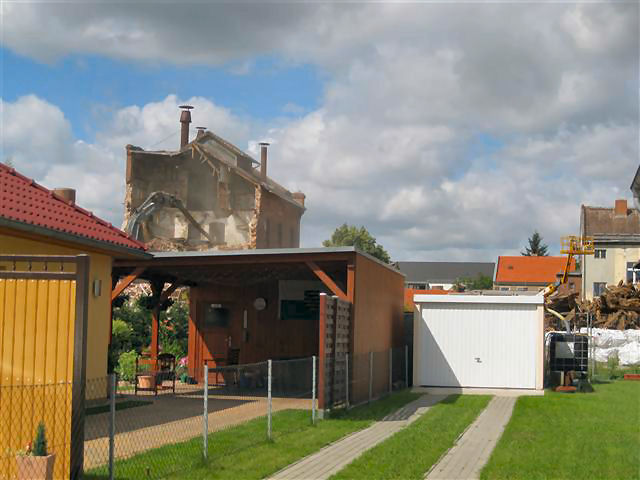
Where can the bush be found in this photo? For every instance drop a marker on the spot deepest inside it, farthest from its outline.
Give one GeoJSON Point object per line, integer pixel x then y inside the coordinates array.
{"type": "Point", "coordinates": [126, 369]}
{"type": "Point", "coordinates": [40, 442]}
{"type": "Point", "coordinates": [612, 364]}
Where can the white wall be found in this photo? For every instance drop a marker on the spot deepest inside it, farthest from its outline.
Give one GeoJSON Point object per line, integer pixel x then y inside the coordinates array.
{"type": "Point", "coordinates": [611, 269]}
{"type": "Point", "coordinates": [477, 341]}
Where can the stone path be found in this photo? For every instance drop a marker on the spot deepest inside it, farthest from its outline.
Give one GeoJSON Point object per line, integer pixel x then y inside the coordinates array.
{"type": "Point", "coordinates": [333, 458]}
{"type": "Point", "coordinates": [467, 457]}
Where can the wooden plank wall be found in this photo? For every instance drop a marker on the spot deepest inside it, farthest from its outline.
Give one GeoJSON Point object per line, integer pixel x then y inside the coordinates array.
{"type": "Point", "coordinates": [337, 321]}
{"type": "Point", "coordinates": [36, 367]}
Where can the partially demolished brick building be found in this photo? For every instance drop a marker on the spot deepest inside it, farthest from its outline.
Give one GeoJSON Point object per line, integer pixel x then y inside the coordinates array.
{"type": "Point", "coordinates": [207, 195]}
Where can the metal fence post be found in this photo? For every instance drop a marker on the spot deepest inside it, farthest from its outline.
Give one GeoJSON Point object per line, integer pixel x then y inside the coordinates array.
{"type": "Point", "coordinates": [370, 376]}
{"type": "Point", "coordinates": [112, 423]}
{"type": "Point", "coordinates": [390, 370]}
{"type": "Point", "coordinates": [205, 413]}
{"type": "Point", "coordinates": [269, 400]}
{"type": "Point", "coordinates": [406, 366]}
{"type": "Point", "coordinates": [346, 378]}
{"type": "Point", "coordinates": [313, 391]}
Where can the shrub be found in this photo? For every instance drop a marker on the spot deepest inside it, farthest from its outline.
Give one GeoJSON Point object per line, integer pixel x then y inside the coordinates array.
{"type": "Point", "coordinates": [40, 442]}
{"type": "Point", "coordinates": [612, 364]}
{"type": "Point", "coordinates": [127, 365]}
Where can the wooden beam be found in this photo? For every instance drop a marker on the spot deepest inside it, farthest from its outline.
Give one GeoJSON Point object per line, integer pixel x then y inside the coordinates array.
{"type": "Point", "coordinates": [326, 279]}
{"type": "Point", "coordinates": [125, 282]}
{"type": "Point", "coordinates": [351, 281]}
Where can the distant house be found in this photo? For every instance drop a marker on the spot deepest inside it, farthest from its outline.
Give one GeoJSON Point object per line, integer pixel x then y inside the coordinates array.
{"type": "Point", "coordinates": [616, 239]}
{"type": "Point", "coordinates": [441, 275]}
{"type": "Point", "coordinates": [524, 273]}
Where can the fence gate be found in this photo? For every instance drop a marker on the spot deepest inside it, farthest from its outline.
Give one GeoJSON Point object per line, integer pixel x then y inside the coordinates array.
{"type": "Point", "coordinates": [335, 327]}
{"type": "Point", "coordinates": [43, 320]}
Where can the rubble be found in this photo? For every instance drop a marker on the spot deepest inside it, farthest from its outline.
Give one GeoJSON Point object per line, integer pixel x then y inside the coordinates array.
{"type": "Point", "coordinates": [617, 308]}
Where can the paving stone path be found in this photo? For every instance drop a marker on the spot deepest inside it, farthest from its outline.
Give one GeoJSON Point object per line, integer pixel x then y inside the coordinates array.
{"type": "Point", "coordinates": [472, 451]}
{"type": "Point", "coordinates": [333, 458]}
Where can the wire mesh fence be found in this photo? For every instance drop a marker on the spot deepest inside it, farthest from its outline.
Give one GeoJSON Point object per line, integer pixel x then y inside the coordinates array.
{"type": "Point", "coordinates": [160, 430]}
{"type": "Point", "coordinates": [25, 409]}
{"type": "Point", "coordinates": [156, 427]}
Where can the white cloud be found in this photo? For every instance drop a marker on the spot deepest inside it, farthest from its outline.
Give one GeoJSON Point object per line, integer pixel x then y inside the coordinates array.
{"type": "Point", "coordinates": [409, 89]}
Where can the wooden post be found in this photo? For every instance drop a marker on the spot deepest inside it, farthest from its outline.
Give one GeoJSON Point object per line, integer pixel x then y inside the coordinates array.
{"type": "Point", "coordinates": [322, 316]}
{"type": "Point", "coordinates": [155, 332]}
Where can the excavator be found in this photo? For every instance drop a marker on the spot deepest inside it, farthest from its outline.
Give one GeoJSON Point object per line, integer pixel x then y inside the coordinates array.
{"type": "Point", "coordinates": [154, 202]}
{"type": "Point", "coordinates": [571, 246]}
{"type": "Point", "coordinates": [568, 352]}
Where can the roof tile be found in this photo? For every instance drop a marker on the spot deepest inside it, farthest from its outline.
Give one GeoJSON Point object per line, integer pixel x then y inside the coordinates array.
{"type": "Point", "coordinates": [23, 200]}
{"type": "Point", "coordinates": [528, 270]}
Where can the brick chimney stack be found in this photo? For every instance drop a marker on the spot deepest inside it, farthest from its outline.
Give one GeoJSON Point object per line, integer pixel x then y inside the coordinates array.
{"type": "Point", "coordinates": [620, 209]}
{"type": "Point", "coordinates": [263, 159]}
{"type": "Point", "coordinates": [67, 194]}
{"type": "Point", "coordinates": [299, 197]}
{"type": "Point", "coordinates": [185, 120]}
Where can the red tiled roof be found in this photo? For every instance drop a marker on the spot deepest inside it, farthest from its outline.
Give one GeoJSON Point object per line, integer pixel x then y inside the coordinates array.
{"type": "Point", "coordinates": [528, 270]}
{"type": "Point", "coordinates": [23, 200]}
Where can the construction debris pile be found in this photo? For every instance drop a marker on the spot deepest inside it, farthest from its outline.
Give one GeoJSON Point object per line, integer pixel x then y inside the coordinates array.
{"type": "Point", "coordinates": [618, 308]}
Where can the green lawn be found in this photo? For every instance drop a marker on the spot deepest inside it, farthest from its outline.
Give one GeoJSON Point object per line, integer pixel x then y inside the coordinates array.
{"type": "Point", "coordinates": [412, 451]}
{"type": "Point", "coordinates": [571, 436]}
{"type": "Point", "coordinates": [243, 451]}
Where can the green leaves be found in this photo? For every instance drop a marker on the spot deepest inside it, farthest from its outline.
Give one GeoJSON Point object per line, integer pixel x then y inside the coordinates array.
{"type": "Point", "coordinates": [352, 236]}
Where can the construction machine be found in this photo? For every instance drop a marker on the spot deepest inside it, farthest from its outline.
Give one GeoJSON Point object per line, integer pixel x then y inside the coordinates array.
{"type": "Point", "coordinates": [154, 202]}
{"type": "Point", "coordinates": [567, 351]}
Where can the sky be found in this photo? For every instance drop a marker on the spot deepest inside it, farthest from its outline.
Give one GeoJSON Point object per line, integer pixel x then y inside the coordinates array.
{"type": "Point", "coordinates": [451, 131]}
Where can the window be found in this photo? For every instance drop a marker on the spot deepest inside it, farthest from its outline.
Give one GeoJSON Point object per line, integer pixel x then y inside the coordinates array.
{"type": "Point", "coordinates": [598, 288]}
{"type": "Point", "coordinates": [600, 253]}
{"type": "Point", "coordinates": [417, 286]}
{"type": "Point", "coordinates": [633, 274]}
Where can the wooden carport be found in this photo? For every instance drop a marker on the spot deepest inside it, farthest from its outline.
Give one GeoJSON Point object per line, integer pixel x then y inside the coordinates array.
{"type": "Point", "coordinates": [374, 291]}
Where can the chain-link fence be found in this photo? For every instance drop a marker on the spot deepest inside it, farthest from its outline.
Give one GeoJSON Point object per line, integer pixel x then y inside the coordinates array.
{"type": "Point", "coordinates": [35, 430]}
{"type": "Point", "coordinates": [152, 433]}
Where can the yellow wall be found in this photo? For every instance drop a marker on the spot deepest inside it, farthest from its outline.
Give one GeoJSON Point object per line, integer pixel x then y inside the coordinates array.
{"type": "Point", "coordinates": [99, 307]}
{"type": "Point", "coordinates": [36, 367]}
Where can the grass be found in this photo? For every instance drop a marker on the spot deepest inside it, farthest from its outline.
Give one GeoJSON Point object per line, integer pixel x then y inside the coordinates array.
{"type": "Point", "coordinates": [567, 436]}
{"type": "Point", "coordinates": [96, 409]}
{"type": "Point", "coordinates": [244, 452]}
{"type": "Point", "coordinates": [412, 451]}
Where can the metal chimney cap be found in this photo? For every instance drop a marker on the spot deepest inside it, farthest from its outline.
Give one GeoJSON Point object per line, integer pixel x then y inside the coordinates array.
{"type": "Point", "coordinates": [201, 128]}
{"type": "Point", "coordinates": [186, 107]}
{"type": "Point", "coordinates": [264, 144]}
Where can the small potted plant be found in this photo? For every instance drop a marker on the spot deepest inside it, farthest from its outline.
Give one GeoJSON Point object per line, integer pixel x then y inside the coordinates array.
{"type": "Point", "coordinates": [35, 463]}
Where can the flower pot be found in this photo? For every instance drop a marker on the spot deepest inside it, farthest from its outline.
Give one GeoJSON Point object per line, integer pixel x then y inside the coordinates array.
{"type": "Point", "coordinates": [147, 381]}
{"type": "Point", "coordinates": [35, 468]}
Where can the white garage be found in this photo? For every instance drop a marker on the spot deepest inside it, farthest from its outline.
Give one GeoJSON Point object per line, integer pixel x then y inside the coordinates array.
{"type": "Point", "coordinates": [478, 342]}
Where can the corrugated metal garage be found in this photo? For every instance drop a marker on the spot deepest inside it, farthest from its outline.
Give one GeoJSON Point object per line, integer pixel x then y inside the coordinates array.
{"type": "Point", "coordinates": [479, 341]}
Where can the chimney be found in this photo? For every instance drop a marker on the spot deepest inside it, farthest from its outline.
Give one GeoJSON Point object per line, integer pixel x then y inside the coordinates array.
{"type": "Point", "coordinates": [263, 159]}
{"type": "Point", "coordinates": [67, 194]}
{"type": "Point", "coordinates": [200, 131]}
{"type": "Point", "coordinates": [299, 197]}
{"type": "Point", "coordinates": [620, 209]}
{"type": "Point", "coordinates": [185, 120]}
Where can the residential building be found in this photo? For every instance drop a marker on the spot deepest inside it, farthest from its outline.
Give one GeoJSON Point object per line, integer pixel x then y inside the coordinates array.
{"type": "Point", "coordinates": [37, 221]}
{"type": "Point", "coordinates": [209, 194]}
{"type": "Point", "coordinates": [616, 239]}
{"type": "Point", "coordinates": [523, 273]}
{"type": "Point", "coordinates": [441, 275]}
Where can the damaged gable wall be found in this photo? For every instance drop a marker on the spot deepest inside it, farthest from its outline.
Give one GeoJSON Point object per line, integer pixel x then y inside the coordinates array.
{"type": "Point", "coordinates": [220, 190]}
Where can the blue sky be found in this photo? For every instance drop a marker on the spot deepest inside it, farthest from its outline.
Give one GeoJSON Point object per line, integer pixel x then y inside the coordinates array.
{"type": "Point", "coordinates": [85, 87]}
{"type": "Point", "coordinates": [451, 131]}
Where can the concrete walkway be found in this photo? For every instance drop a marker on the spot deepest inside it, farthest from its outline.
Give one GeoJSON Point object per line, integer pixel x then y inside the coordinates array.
{"type": "Point", "coordinates": [467, 457]}
{"type": "Point", "coordinates": [333, 458]}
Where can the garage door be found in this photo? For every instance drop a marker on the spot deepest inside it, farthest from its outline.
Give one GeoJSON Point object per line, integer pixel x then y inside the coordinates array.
{"type": "Point", "coordinates": [478, 345]}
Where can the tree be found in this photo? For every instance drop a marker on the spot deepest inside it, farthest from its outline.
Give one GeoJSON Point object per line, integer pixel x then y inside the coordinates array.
{"type": "Point", "coordinates": [479, 282]}
{"type": "Point", "coordinates": [350, 235]}
{"type": "Point", "coordinates": [536, 248]}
